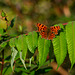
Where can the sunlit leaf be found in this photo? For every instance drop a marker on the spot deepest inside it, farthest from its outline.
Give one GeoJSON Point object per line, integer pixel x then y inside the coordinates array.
{"type": "Point", "coordinates": [12, 42]}
{"type": "Point", "coordinates": [70, 36]}
{"type": "Point", "coordinates": [43, 48]}
{"type": "Point", "coordinates": [14, 53]}
{"type": "Point", "coordinates": [60, 47]}
{"type": "Point", "coordinates": [32, 41]}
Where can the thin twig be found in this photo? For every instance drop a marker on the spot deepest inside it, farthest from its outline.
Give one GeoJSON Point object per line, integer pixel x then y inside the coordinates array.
{"type": "Point", "coordinates": [2, 61]}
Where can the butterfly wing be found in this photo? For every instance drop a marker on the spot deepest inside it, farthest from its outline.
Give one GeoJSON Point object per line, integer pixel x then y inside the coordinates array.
{"type": "Point", "coordinates": [43, 34]}
{"type": "Point", "coordinates": [55, 29]}
{"type": "Point", "coordinates": [51, 35]}
{"type": "Point", "coordinates": [42, 29]}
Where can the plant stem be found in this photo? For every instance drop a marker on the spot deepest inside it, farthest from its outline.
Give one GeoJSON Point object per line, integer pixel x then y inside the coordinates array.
{"type": "Point", "coordinates": [2, 61]}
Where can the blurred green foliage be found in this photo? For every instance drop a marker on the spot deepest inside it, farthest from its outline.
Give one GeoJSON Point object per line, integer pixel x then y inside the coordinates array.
{"type": "Point", "coordinates": [28, 13]}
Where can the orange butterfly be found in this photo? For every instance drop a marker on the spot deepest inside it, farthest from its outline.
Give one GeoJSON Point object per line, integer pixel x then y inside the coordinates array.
{"type": "Point", "coordinates": [48, 33]}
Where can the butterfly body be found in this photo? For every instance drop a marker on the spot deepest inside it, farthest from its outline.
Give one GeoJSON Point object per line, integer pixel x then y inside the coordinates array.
{"type": "Point", "coordinates": [47, 33]}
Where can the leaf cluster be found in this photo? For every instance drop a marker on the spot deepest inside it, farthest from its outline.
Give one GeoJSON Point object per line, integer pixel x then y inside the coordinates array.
{"type": "Point", "coordinates": [35, 48]}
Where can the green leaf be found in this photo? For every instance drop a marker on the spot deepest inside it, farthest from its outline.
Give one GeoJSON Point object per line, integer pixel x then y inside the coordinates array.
{"type": "Point", "coordinates": [7, 70]}
{"type": "Point", "coordinates": [1, 31]}
{"type": "Point", "coordinates": [32, 41]}
{"type": "Point", "coordinates": [20, 68]}
{"type": "Point", "coordinates": [24, 48]}
{"type": "Point", "coordinates": [23, 73]}
{"type": "Point", "coordinates": [3, 44]}
{"type": "Point", "coordinates": [32, 73]}
{"type": "Point", "coordinates": [60, 48]}
{"type": "Point", "coordinates": [43, 48]}
{"type": "Point", "coordinates": [3, 14]}
{"type": "Point", "coordinates": [70, 36]}
{"type": "Point", "coordinates": [19, 43]}
{"type": "Point", "coordinates": [14, 53]}
{"type": "Point", "coordinates": [48, 69]}
{"type": "Point", "coordinates": [12, 42]}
